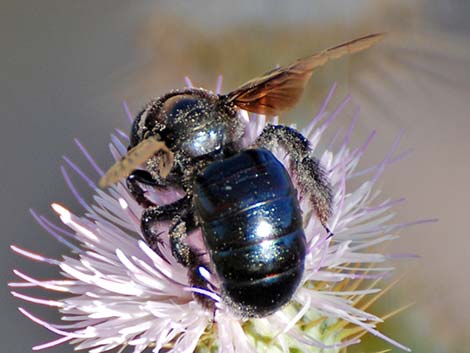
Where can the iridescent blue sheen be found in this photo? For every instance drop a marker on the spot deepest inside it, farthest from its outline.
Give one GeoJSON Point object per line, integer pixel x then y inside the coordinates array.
{"type": "Point", "coordinates": [252, 226]}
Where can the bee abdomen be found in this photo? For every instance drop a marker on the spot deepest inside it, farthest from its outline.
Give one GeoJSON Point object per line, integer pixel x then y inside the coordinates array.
{"type": "Point", "coordinates": [260, 260]}
{"type": "Point", "coordinates": [252, 226]}
{"type": "Point", "coordinates": [262, 297]}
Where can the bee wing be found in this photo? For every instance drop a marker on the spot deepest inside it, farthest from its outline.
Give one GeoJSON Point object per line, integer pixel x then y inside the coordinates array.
{"type": "Point", "coordinates": [135, 157]}
{"type": "Point", "coordinates": [281, 88]}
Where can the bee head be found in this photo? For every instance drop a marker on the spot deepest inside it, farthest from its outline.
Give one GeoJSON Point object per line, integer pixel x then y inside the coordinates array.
{"type": "Point", "coordinates": [192, 123]}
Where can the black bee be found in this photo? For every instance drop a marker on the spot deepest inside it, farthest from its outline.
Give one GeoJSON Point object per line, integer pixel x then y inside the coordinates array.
{"type": "Point", "coordinates": [242, 199]}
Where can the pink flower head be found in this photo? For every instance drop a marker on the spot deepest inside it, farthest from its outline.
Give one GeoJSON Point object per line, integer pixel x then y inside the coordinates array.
{"type": "Point", "coordinates": [117, 292]}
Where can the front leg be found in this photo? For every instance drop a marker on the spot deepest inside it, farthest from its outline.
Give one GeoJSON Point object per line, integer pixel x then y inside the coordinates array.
{"type": "Point", "coordinates": [138, 177]}
{"type": "Point", "coordinates": [154, 214]}
{"type": "Point", "coordinates": [310, 175]}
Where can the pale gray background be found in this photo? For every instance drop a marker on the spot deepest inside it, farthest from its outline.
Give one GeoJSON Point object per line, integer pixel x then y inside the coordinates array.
{"type": "Point", "coordinates": [65, 67]}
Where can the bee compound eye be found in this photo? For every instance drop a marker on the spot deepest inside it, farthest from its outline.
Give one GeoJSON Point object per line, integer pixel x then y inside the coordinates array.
{"type": "Point", "coordinates": [179, 107]}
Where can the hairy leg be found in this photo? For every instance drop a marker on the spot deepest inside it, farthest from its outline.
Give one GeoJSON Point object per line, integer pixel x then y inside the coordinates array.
{"type": "Point", "coordinates": [138, 177]}
{"type": "Point", "coordinates": [310, 176]}
{"type": "Point", "coordinates": [189, 258]}
{"type": "Point", "coordinates": [154, 214]}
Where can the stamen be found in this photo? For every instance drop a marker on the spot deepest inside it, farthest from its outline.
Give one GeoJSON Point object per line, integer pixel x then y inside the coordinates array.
{"type": "Point", "coordinates": [218, 86]}
{"type": "Point", "coordinates": [188, 82]}
{"type": "Point", "coordinates": [89, 157]}
{"type": "Point", "coordinates": [34, 256]}
{"type": "Point", "coordinates": [130, 118]}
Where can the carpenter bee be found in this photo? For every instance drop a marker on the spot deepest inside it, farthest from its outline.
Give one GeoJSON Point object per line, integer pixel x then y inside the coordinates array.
{"type": "Point", "coordinates": [242, 199]}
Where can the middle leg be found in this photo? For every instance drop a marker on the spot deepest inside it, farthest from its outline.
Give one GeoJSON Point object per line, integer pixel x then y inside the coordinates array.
{"type": "Point", "coordinates": [189, 258]}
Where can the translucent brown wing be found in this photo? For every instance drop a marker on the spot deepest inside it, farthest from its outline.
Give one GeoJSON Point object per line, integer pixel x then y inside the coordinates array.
{"type": "Point", "coordinates": [281, 88]}
{"type": "Point", "coordinates": [135, 157]}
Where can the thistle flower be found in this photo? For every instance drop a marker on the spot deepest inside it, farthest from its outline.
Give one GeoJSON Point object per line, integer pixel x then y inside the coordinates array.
{"type": "Point", "coordinates": [119, 293]}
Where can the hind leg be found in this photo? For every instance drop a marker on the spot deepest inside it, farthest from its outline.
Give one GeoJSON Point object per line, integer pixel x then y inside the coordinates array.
{"type": "Point", "coordinates": [309, 173]}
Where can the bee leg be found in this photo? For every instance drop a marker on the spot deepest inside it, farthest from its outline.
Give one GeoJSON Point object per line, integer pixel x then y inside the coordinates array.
{"type": "Point", "coordinates": [178, 233]}
{"type": "Point", "coordinates": [132, 182]}
{"type": "Point", "coordinates": [310, 175]}
{"type": "Point", "coordinates": [186, 256]}
{"type": "Point", "coordinates": [138, 177]}
{"type": "Point", "coordinates": [154, 214]}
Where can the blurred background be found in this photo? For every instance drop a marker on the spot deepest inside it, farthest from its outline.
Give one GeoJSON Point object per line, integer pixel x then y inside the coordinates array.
{"type": "Point", "coordinates": [66, 67]}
